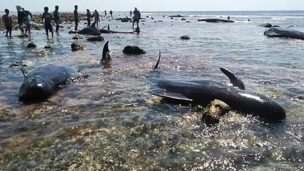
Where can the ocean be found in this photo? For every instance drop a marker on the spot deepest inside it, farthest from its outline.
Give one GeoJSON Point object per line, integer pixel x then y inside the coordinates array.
{"type": "Point", "coordinates": [111, 121]}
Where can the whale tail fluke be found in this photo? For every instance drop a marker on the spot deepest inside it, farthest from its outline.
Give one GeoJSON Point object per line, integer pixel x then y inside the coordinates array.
{"type": "Point", "coordinates": [106, 52]}
{"type": "Point", "coordinates": [157, 63]}
{"type": "Point", "coordinates": [233, 79]}
{"type": "Point", "coordinates": [23, 70]}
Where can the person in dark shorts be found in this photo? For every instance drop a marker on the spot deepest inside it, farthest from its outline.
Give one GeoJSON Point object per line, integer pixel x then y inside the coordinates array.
{"type": "Point", "coordinates": [76, 18]}
{"type": "Point", "coordinates": [136, 17]}
{"type": "Point", "coordinates": [89, 15]}
{"type": "Point", "coordinates": [27, 20]}
{"type": "Point", "coordinates": [20, 14]}
{"type": "Point", "coordinates": [111, 14]}
{"type": "Point", "coordinates": [96, 17]}
{"type": "Point", "coordinates": [56, 17]}
{"type": "Point", "coordinates": [47, 17]}
{"type": "Point", "coordinates": [8, 23]}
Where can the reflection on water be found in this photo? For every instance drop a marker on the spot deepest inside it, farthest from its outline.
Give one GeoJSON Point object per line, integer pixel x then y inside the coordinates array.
{"type": "Point", "coordinates": [110, 121]}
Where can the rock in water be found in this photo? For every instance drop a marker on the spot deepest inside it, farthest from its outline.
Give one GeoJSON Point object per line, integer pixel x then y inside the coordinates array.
{"type": "Point", "coordinates": [31, 45]}
{"type": "Point", "coordinates": [214, 111]}
{"type": "Point", "coordinates": [133, 50]}
{"type": "Point", "coordinates": [185, 37]}
{"type": "Point", "coordinates": [77, 46]}
{"type": "Point", "coordinates": [95, 39]}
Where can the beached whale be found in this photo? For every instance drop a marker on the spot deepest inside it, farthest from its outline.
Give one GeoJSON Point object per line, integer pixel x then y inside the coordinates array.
{"type": "Point", "coordinates": [286, 33]}
{"type": "Point", "coordinates": [91, 30]}
{"type": "Point", "coordinates": [44, 81]}
{"type": "Point", "coordinates": [109, 31]}
{"type": "Point", "coordinates": [202, 92]}
{"type": "Point", "coordinates": [216, 20]}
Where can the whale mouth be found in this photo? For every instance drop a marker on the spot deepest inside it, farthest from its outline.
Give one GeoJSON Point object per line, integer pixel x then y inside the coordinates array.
{"type": "Point", "coordinates": [34, 94]}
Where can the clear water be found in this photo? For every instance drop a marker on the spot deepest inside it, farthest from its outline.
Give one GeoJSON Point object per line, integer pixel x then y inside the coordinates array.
{"type": "Point", "coordinates": [110, 121]}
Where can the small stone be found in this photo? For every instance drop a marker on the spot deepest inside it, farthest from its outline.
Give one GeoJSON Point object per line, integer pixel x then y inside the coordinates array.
{"type": "Point", "coordinates": [47, 47]}
{"type": "Point", "coordinates": [31, 45]}
{"type": "Point", "coordinates": [77, 46]}
{"type": "Point", "coordinates": [95, 39]}
{"type": "Point", "coordinates": [214, 111]}
{"type": "Point", "coordinates": [185, 37]}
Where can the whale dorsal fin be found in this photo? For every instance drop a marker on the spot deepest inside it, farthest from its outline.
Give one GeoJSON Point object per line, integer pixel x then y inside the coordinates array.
{"type": "Point", "coordinates": [23, 70]}
{"type": "Point", "coordinates": [233, 79]}
{"type": "Point", "coordinates": [157, 63]}
{"type": "Point", "coordinates": [106, 52]}
{"type": "Point", "coordinates": [103, 28]}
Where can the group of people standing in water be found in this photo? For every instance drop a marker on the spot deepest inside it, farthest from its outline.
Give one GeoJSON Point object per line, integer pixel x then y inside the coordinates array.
{"type": "Point", "coordinates": [25, 20]}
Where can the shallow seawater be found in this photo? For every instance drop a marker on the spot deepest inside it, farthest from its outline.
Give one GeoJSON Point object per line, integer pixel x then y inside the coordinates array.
{"type": "Point", "coordinates": [110, 121]}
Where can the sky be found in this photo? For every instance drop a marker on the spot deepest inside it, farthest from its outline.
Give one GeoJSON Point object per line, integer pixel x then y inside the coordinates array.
{"type": "Point", "coordinates": [157, 5]}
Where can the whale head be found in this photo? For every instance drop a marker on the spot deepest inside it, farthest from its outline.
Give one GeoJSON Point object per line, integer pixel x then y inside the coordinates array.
{"type": "Point", "coordinates": [35, 88]}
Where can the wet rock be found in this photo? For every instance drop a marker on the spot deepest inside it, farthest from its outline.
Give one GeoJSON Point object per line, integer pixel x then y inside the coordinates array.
{"type": "Point", "coordinates": [214, 111]}
{"type": "Point", "coordinates": [72, 32]}
{"type": "Point", "coordinates": [95, 39]}
{"type": "Point", "coordinates": [75, 38]}
{"type": "Point", "coordinates": [16, 64]}
{"type": "Point", "coordinates": [185, 37]}
{"type": "Point", "coordinates": [125, 19]}
{"type": "Point", "coordinates": [47, 47]}
{"type": "Point", "coordinates": [77, 46]}
{"type": "Point", "coordinates": [40, 53]}
{"type": "Point", "coordinates": [133, 50]}
{"type": "Point", "coordinates": [23, 36]}
{"type": "Point", "coordinates": [183, 19]}
{"type": "Point", "coordinates": [31, 45]}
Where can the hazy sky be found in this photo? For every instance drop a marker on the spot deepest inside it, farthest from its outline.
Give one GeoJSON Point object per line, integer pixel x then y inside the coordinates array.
{"type": "Point", "coordinates": [157, 5]}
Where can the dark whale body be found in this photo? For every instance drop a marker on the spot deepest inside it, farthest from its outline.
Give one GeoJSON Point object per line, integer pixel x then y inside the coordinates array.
{"type": "Point", "coordinates": [202, 92]}
{"type": "Point", "coordinates": [285, 33]}
{"type": "Point", "coordinates": [216, 20]}
{"type": "Point", "coordinates": [91, 30]}
{"type": "Point", "coordinates": [43, 81]}
{"type": "Point", "coordinates": [112, 31]}
{"type": "Point", "coordinates": [109, 31]}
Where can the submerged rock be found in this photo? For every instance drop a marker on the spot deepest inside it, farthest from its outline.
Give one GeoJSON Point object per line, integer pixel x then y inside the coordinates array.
{"type": "Point", "coordinates": [16, 64]}
{"type": "Point", "coordinates": [95, 38]}
{"type": "Point", "coordinates": [214, 111]}
{"type": "Point", "coordinates": [77, 46]}
{"type": "Point", "coordinates": [133, 50]}
{"type": "Point", "coordinates": [185, 37]}
{"type": "Point", "coordinates": [124, 19]}
{"type": "Point", "coordinates": [47, 47]}
{"type": "Point", "coordinates": [31, 45]}
{"type": "Point", "coordinates": [23, 36]}
{"type": "Point", "coordinates": [72, 32]}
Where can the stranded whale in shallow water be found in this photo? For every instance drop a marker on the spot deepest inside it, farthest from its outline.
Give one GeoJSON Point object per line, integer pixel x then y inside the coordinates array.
{"type": "Point", "coordinates": [201, 92]}
{"type": "Point", "coordinates": [91, 30]}
{"type": "Point", "coordinates": [287, 33]}
{"type": "Point", "coordinates": [44, 81]}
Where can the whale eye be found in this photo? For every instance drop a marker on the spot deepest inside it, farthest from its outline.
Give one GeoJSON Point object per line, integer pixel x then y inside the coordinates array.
{"type": "Point", "coordinates": [252, 97]}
